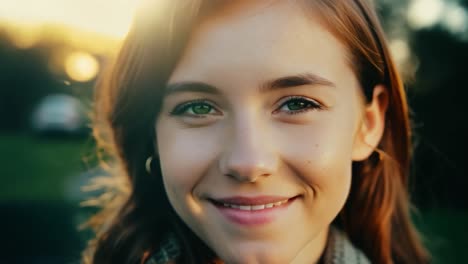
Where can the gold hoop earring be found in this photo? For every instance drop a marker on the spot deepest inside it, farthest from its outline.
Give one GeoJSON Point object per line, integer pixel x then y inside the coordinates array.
{"type": "Point", "coordinates": [148, 164]}
{"type": "Point", "coordinates": [380, 155]}
{"type": "Point", "coordinates": [376, 157]}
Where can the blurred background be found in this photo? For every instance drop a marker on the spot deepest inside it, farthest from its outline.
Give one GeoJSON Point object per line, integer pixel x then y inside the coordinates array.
{"type": "Point", "coordinates": [51, 52]}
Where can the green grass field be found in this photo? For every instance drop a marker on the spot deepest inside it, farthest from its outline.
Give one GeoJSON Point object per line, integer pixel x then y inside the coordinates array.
{"type": "Point", "coordinates": [35, 169]}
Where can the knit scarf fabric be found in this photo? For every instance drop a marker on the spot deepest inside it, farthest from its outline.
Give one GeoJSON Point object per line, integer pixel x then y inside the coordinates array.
{"type": "Point", "coordinates": [339, 250]}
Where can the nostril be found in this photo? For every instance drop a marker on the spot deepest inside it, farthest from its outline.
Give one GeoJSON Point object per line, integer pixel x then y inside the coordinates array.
{"type": "Point", "coordinates": [248, 166]}
{"type": "Point", "coordinates": [251, 178]}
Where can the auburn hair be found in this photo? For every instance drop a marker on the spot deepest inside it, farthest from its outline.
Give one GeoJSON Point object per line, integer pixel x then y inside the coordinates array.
{"type": "Point", "coordinates": [136, 213]}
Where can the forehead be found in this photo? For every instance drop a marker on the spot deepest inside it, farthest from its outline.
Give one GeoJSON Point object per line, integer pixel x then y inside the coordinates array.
{"type": "Point", "coordinates": [260, 39]}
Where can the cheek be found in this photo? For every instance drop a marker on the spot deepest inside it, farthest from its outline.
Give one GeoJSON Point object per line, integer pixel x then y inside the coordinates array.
{"type": "Point", "coordinates": [321, 155]}
{"type": "Point", "coordinates": [322, 164]}
{"type": "Point", "coordinates": [185, 156]}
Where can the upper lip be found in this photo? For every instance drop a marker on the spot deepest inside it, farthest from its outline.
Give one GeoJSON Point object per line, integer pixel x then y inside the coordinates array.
{"type": "Point", "coordinates": [251, 200]}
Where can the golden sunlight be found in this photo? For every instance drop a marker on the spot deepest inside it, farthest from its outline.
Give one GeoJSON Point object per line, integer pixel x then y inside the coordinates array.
{"type": "Point", "coordinates": [108, 17]}
{"type": "Point", "coordinates": [25, 38]}
{"type": "Point", "coordinates": [81, 66]}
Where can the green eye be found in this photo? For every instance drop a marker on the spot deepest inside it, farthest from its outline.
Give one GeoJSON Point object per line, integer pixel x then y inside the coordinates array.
{"type": "Point", "coordinates": [201, 109]}
{"type": "Point", "coordinates": [195, 109]}
{"type": "Point", "coordinates": [297, 104]}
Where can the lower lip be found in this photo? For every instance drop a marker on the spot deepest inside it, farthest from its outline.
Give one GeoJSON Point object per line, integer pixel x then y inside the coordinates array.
{"type": "Point", "coordinates": [253, 217]}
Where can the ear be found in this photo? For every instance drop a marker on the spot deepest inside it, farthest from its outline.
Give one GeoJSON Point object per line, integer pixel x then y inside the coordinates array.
{"type": "Point", "coordinates": [372, 126]}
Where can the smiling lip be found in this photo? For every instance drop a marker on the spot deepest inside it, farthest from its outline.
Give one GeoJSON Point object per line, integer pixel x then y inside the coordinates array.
{"type": "Point", "coordinates": [256, 200]}
{"type": "Point", "coordinates": [251, 211]}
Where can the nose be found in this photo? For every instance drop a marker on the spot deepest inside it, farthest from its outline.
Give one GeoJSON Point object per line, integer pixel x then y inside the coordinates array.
{"type": "Point", "coordinates": [250, 153]}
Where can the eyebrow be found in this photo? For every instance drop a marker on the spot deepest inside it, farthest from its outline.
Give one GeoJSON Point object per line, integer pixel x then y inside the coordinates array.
{"type": "Point", "coordinates": [270, 85]}
{"type": "Point", "coordinates": [296, 80]}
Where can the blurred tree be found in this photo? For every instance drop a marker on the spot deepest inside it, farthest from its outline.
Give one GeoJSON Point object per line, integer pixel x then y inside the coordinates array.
{"type": "Point", "coordinates": [436, 91]}
{"type": "Point", "coordinates": [438, 98]}
{"type": "Point", "coordinates": [24, 78]}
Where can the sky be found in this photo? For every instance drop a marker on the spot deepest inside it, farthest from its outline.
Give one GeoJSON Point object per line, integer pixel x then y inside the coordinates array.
{"type": "Point", "coordinates": [113, 17]}
{"type": "Point", "coordinates": [108, 17]}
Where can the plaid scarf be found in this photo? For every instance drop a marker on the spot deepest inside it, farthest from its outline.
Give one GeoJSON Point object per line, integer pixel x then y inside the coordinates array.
{"type": "Point", "coordinates": [339, 251]}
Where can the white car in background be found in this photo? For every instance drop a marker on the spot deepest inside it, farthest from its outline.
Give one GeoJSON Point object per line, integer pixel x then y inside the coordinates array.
{"type": "Point", "coordinates": [60, 114]}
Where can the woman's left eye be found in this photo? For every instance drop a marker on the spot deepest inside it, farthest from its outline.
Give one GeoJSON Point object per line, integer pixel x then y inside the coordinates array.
{"type": "Point", "coordinates": [298, 104]}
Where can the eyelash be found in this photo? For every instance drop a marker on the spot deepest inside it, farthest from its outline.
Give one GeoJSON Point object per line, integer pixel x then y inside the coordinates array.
{"type": "Point", "coordinates": [311, 104]}
{"type": "Point", "coordinates": [182, 108]}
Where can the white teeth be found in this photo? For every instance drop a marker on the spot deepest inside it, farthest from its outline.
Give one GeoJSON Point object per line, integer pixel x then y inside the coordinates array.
{"type": "Point", "coordinates": [245, 207]}
{"type": "Point", "coordinates": [255, 207]}
{"type": "Point", "coordinates": [258, 207]}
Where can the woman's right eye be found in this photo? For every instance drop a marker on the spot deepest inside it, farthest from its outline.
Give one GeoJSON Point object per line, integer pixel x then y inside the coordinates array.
{"type": "Point", "coordinates": [195, 109]}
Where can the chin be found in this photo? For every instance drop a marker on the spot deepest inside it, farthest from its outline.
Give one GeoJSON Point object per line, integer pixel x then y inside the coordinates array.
{"type": "Point", "coordinates": [257, 260]}
{"type": "Point", "coordinates": [256, 257]}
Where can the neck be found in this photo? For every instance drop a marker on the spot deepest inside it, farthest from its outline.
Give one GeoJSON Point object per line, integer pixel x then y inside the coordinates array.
{"type": "Point", "coordinates": [313, 250]}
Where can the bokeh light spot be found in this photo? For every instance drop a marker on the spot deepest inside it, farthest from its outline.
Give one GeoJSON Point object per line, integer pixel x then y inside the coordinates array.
{"type": "Point", "coordinates": [400, 50]}
{"type": "Point", "coordinates": [425, 13]}
{"type": "Point", "coordinates": [81, 66]}
{"type": "Point", "coordinates": [455, 19]}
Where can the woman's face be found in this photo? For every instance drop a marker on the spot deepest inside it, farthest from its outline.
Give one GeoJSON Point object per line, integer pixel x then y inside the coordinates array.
{"type": "Point", "coordinates": [258, 132]}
